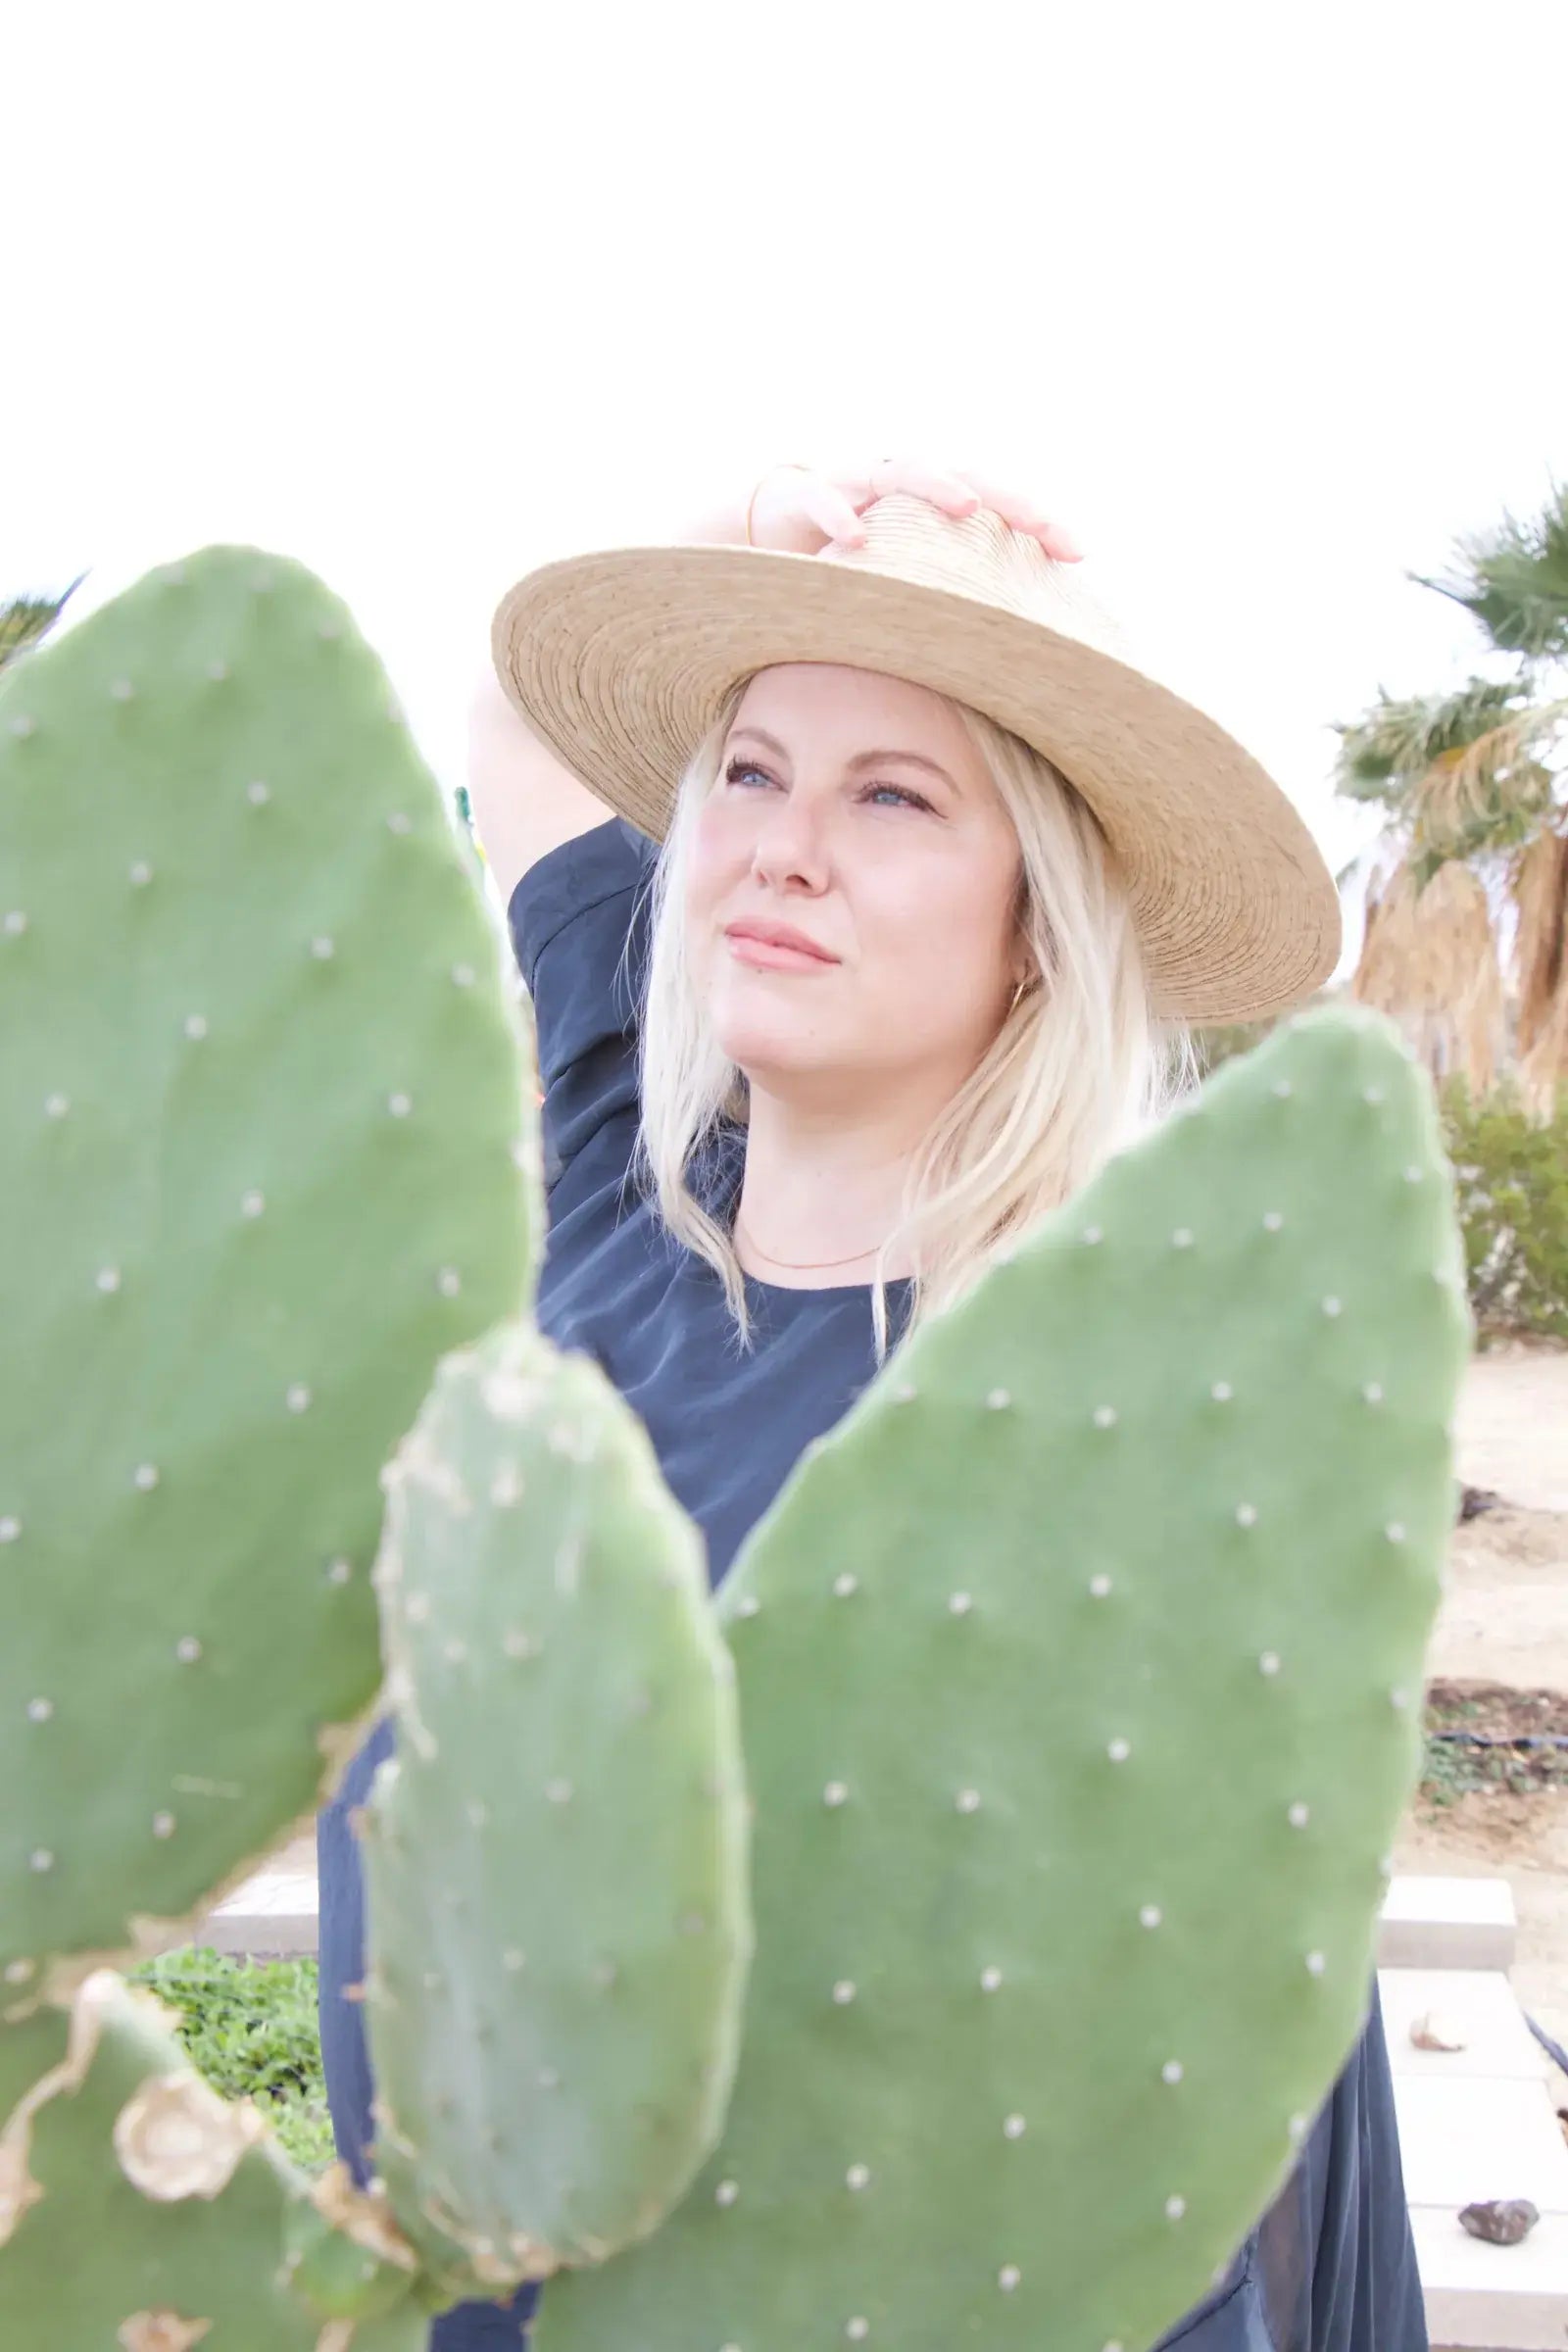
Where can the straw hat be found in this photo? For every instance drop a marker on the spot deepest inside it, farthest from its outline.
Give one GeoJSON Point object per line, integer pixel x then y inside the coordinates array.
{"type": "Point", "coordinates": [620, 661]}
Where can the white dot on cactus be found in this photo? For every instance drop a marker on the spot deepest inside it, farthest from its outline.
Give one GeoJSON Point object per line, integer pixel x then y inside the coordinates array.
{"type": "Point", "coordinates": [1372, 1394]}
{"type": "Point", "coordinates": [18, 1971]}
{"type": "Point", "coordinates": [1221, 1392]}
{"type": "Point", "coordinates": [904, 1393]}
{"type": "Point", "coordinates": [252, 1203]}
{"type": "Point", "coordinates": [397, 822]}
{"type": "Point", "coordinates": [1269, 1662]}
{"type": "Point", "coordinates": [1282, 1087]}
{"type": "Point", "coordinates": [1175, 2207]}
{"type": "Point", "coordinates": [141, 873]}
{"type": "Point", "coordinates": [998, 1401]}
{"type": "Point", "coordinates": [1372, 1094]}
{"type": "Point", "coordinates": [217, 671]}
{"type": "Point", "coordinates": [1172, 2070]}
{"type": "Point", "coordinates": [400, 1106]}
{"type": "Point", "coordinates": [858, 2329]}
{"type": "Point", "coordinates": [417, 1608]}
{"type": "Point", "coordinates": [16, 923]}
{"type": "Point", "coordinates": [990, 1979]}
{"type": "Point", "coordinates": [9, 1529]}
{"type": "Point", "coordinates": [162, 1825]}
{"type": "Point", "coordinates": [1182, 1238]}
{"type": "Point", "coordinates": [1099, 1585]}
{"type": "Point", "coordinates": [455, 1651]}
{"type": "Point", "coordinates": [1399, 1699]}
{"type": "Point", "coordinates": [322, 947]}
{"type": "Point", "coordinates": [858, 2176]}
{"type": "Point", "coordinates": [512, 1959]}
{"type": "Point", "coordinates": [559, 1792]}
{"type": "Point", "coordinates": [1104, 1416]}
{"type": "Point", "coordinates": [195, 1026]}
{"type": "Point", "coordinates": [1009, 2276]}
{"type": "Point", "coordinates": [694, 1922]}
{"type": "Point", "coordinates": [844, 1992]}
{"type": "Point", "coordinates": [298, 1398]}
{"type": "Point", "coordinates": [57, 1106]}
{"type": "Point", "coordinates": [146, 1477]}
{"type": "Point", "coordinates": [1013, 2126]}
{"type": "Point", "coordinates": [41, 1858]}
{"type": "Point", "coordinates": [548, 2079]}
{"type": "Point", "coordinates": [1297, 2128]}
{"type": "Point", "coordinates": [23, 723]}
{"type": "Point", "coordinates": [1245, 1514]}
{"type": "Point", "coordinates": [1150, 1916]}
{"type": "Point", "coordinates": [187, 1650]}
{"type": "Point", "coordinates": [1093, 1233]}
{"type": "Point", "coordinates": [1117, 2344]}
{"type": "Point", "coordinates": [835, 1793]}
{"type": "Point", "coordinates": [1272, 1221]}
{"type": "Point", "coordinates": [449, 1282]}
{"type": "Point", "coordinates": [1413, 1175]}
{"type": "Point", "coordinates": [258, 794]}
{"type": "Point", "coordinates": [959, 1604]}
{"type": "Point", "coordinates": [518, 1644]}
{"type": "Point", "coordinates": [1395, 1531]}
{"type": "Point", "coordinates": [463, 975]}
{"type": "Point", "coordinates": [967, 1800]}
{"type": "Point", "coordinates": [1315, 1964]}
{"type": "Point", "coordinates": [845, 1585]}
{"type": "Point", "coordinates": [1119, 1750]}
{"type": "Point", "coordinates": [727, 2192]}
{"type": "Point", "coordinates": [748, 1605]}
{"type": "Point", "coordinates": [122, 690]}
{"type": "Point", "coordinates": [1299, 1815]}
{"type": "Point", "coordinates": [108, 1279]}
{"type": "Point", "coordinates": [338, 1572]}
{"type": "Point", "coordinates": [1386, 1867]}
{"type": "Point", "coordinates": [39, 1710]}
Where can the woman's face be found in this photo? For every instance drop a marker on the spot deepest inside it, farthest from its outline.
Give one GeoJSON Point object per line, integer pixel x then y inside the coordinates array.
{"type": "Point", "coordinates": [853, 810]}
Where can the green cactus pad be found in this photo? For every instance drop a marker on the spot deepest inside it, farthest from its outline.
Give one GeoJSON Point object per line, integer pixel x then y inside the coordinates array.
{"type": "Point", "coordinates": [138, 2209]}
{"type": "Point", "coordinates": [260, 1092]}
{"type": "Point", "coordinates": [554, 1859]}
{"type": "Point", "coordinates": [1080, 1671]}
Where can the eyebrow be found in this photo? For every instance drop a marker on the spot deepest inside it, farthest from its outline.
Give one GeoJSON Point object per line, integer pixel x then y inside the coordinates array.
{"type": "Point", "coordinates": [861, 760]}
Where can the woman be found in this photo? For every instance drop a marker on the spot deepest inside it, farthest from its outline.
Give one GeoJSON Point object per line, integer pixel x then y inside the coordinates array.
{"type": "Point", "coordinates": [891, 990]}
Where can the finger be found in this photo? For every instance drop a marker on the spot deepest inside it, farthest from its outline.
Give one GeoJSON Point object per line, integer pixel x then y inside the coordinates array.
{"type": "Point", "coordinates": [1022, 515]}
{"type": "Point", "coordinates": [937, 484]}
{"type": "Point", "coordinates": [835, 516]}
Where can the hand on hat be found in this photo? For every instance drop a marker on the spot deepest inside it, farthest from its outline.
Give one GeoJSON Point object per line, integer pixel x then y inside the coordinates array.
{"type": "Point", "coordinates": [801, 511]}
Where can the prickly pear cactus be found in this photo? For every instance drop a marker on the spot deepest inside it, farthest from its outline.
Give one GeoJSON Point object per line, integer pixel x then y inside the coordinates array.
{"type": "Point", "coordinates": [1080, 1671]}
{"type": "Point", "coordinates": [261, 1108]}
{"type": "Point", "coordinates": [552, 1996]}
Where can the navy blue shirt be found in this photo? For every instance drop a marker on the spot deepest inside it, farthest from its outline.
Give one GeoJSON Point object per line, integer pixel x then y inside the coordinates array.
{"type": "Point", "coordinates": [1332, 2266]}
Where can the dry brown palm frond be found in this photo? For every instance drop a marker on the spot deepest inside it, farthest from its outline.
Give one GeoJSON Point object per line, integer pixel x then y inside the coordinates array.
{"type": "Point", "coordinates": [1540, 894]}
{"type": "Point", "coordinates": [1428, 960]}
{"type": "Point", "coordinates": [1539, 887]}
{"type": "Point", "coordinates": [1471, 783]}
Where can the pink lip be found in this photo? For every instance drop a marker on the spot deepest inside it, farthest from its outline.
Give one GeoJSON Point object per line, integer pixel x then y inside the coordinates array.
{"type": "Point", "coordinates": [774, 946]}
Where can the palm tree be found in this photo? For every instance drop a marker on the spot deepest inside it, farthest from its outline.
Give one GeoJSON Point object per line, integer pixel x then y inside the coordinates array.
{"type": "Point", "coordinates": [1466, 939]}
{"type": "Point", "coordinates": [26, 618]}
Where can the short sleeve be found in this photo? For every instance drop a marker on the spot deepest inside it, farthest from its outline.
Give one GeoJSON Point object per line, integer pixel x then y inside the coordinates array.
{"type": "Point", "coordinates": [580, 926]}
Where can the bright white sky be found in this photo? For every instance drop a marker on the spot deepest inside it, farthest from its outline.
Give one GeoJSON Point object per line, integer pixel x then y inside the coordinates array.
{"type": "Point", "coordinates": [1260, 298]}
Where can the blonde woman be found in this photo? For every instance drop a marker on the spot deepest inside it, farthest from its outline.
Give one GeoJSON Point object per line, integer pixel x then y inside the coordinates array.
{"type": "Point", "coordinates": [841, 984]}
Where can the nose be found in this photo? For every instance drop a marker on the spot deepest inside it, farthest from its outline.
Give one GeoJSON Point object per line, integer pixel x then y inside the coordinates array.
{"type": "Point", "coordinates": [789, 842]}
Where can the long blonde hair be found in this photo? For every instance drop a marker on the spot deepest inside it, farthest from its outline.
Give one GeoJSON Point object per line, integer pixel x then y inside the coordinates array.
{"type": "Point", "coordinates": [1078, 1068]}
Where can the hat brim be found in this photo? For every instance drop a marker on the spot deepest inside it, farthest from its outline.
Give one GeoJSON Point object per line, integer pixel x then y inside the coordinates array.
{"type": "Point", "coordinates": [620, 661]}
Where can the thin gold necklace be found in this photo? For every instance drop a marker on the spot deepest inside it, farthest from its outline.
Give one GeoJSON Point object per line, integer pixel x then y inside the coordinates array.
{"type": "Point", "coordinates": [810, 1265]}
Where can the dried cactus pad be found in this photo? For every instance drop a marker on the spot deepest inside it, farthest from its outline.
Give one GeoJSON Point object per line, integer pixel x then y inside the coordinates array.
{"type": "Point", "coordinates": [260, 1089]}
{"type": "Point", "coordinates": [140, 2211]}
{"type": "Point", "coordinates": [1080, 1673]}
{"type": "Point", "coordinates": [560, 1922]}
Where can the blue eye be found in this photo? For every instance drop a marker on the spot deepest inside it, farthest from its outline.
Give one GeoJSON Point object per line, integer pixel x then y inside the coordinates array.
{"type": "Point", "coordinates": [738, 768]}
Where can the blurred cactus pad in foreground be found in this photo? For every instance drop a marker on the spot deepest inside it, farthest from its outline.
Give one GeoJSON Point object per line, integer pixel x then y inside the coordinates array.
{"type": "Point", "coordinates": [878, 1988]}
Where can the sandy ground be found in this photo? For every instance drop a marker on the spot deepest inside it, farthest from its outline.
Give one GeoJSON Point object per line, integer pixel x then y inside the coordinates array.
{"type": "Point", "coordinates": [1505, 1619]}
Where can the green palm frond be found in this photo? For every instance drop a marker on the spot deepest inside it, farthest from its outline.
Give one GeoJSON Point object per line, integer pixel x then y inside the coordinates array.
{"type": "Point", "coordinates": [1513, 581]}
{"type": "Point", "coordinates": [26, 618]}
